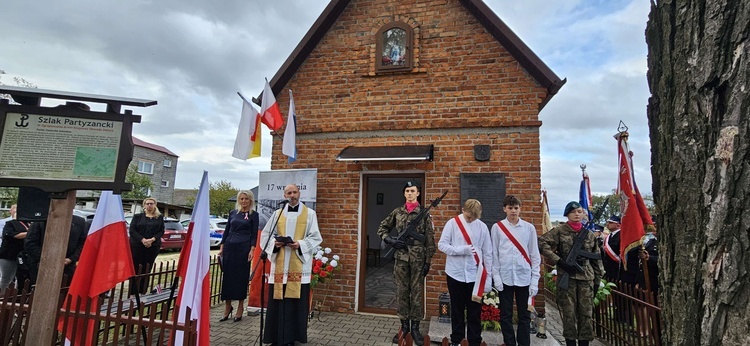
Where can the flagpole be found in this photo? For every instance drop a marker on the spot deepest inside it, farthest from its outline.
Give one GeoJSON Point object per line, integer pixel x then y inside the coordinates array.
{"type": "Point", "coordinates": [175, 280]}
{"type": "Point", "coordinates": [138, 308]}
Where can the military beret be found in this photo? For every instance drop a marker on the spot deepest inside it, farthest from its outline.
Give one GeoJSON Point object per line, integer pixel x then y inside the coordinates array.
{"type": "Point", "coordinates": [570, 206]}
{"type": "Point", "coordinates": [411, 184]}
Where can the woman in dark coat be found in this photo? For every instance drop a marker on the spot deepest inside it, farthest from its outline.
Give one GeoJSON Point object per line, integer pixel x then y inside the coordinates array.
{"type": "Point", "coordinates": [146, 230]}
{"type": "Point", "coordinates": [13, 235]}
{"type": "Point", "coordinates": [236, 251]}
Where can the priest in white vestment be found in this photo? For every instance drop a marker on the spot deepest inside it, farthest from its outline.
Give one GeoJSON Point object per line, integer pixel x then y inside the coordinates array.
{"type": "Point", "coordinates": [296, 238]}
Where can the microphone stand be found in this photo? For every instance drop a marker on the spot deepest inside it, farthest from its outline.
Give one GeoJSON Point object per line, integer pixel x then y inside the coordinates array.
{"type": "Point", "coordinates": [263, 277]}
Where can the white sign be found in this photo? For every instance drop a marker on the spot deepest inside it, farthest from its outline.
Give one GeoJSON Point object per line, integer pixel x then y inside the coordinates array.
{"type": "Point", "coordinates": [271, 189]}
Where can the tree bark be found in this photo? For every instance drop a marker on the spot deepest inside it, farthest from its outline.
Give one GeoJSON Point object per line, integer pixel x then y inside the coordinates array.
{"type": "Point", "coordinates": [698, 113]}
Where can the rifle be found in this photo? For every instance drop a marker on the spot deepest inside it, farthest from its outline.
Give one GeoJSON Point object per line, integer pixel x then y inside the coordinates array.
{"type": "Point", "coordinates": [411, 228]}
{"type": "Point", "coordinates": [576, 252]}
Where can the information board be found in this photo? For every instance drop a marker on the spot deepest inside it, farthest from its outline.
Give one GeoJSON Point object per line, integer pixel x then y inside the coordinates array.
{"type": "Point", "coordinates": [59, 148]}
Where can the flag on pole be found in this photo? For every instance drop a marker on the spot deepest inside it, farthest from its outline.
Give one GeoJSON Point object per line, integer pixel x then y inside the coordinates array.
{"type": "Point", "coordinates": [269, 109]}
{"type": "Point", "coordinates": [192, 268]}
{"type": "Point", "coordinates": [247, 142]}
{"type": "Point", "coordinates": [584, 195]}
{"type": "Point", "coordinates": [546, 220]}
{"type": "Point", "coordinates": [105, 261]}
{"type": "Point", "coordinates": [289, 147]}
{"type": "Point", "coordinates": [635, 217]}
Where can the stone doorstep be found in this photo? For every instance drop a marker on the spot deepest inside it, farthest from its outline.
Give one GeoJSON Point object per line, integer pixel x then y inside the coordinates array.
{"type": "Point", "coordinates": [438, 331]}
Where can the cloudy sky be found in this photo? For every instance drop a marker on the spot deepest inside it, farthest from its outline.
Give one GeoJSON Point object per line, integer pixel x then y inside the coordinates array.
{"type": "Point", "coordinates": [193, 56]}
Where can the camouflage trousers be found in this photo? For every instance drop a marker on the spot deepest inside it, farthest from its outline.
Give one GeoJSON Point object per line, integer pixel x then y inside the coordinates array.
{"type": "Point", "coordinates": [577, 306]}
{"type": "Point", "coordinates": [409, 289]}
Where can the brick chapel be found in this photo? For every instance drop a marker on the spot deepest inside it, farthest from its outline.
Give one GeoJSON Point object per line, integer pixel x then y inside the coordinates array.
{"type": "Point", "coordinates": [440, 92]}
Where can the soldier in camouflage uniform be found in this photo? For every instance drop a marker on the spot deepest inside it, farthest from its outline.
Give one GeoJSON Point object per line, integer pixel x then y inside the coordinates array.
{"type": "Point", "coordinates": [577, 303]}
{"type": "Point", "coordinates": [412, 260]}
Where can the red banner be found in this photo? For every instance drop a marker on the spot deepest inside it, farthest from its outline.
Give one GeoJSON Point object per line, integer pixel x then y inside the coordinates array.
{"type": "Point", "coordinates": [635, 217]}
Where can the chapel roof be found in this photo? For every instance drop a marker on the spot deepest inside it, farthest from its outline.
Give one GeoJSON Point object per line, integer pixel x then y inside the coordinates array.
{"type": "Point", "coordinates": [484, 15]}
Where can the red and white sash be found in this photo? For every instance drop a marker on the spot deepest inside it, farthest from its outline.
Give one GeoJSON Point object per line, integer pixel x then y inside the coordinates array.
{"type": "Point", "coordinates": [481, 280]}
{"type": "Point", "coordinates": [515, 242]}
{"type": "Point", "coordinates": [608, 249]}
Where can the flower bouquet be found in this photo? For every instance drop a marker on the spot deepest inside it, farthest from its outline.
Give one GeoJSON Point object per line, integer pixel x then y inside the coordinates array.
{"type": "Point", "coordinates": [324, 265]}
{"type": "Point", "coordinates": [491, 310]}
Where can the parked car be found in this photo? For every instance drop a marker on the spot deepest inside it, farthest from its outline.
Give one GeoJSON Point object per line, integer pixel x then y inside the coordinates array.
{"type": "Point", "coordinates": [87, 214]}
{"type": "Point", "coordinates": [216, 227]}
{"type": "Point", "coordinates": [174, 234]}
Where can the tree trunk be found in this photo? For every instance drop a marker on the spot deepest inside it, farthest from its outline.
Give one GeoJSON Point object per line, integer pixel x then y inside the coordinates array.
{"type": "Point", "coordinates": [699, 113]}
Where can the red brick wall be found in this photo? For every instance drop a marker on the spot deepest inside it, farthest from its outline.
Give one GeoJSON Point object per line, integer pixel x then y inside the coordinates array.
{"type": "Point", "coordinates": [465, 90]}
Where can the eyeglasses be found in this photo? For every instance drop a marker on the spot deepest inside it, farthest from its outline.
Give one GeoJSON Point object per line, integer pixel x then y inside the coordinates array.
{"type": "Point", "coordinates": [149, 204]}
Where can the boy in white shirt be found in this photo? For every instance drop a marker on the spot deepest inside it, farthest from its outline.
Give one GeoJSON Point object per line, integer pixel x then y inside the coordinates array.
{"type": "Point", "coordinates": [515, 270]}
{"type": "Point", "coordinates": [466, 241]}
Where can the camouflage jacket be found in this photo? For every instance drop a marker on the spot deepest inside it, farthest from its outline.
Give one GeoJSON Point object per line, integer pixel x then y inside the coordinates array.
{"type": "Point", "coordinates": [396, 221]}
{"type": "Point", "coordinates": [556, 244]}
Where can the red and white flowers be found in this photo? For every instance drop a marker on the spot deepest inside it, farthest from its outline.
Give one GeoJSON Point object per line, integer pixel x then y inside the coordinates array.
{"type": "Point", "coordinates": [324, 265]}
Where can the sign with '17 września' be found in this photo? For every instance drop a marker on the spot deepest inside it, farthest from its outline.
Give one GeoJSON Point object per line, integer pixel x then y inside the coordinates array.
{"type": "Point", "coordinates": [36, 146]}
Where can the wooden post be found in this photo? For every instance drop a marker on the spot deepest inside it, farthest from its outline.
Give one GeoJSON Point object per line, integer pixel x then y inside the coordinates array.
{"type": "Point", "coordinates": [47, 292]}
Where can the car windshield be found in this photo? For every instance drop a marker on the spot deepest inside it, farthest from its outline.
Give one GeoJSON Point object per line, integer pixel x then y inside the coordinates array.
{"type": "Point", "coordinates": [222, 225]}
{"type": "Point", "coordinates": [173, 225]}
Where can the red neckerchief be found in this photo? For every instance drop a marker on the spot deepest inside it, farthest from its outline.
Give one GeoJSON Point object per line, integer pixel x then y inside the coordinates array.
{"type": "Point", "coordinates": [576, 226]}
{"type": "Point", "coordinates": [411, 206]}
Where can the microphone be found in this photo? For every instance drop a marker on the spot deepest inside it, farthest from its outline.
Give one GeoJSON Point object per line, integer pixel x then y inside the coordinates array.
{"type": "Point", "coordinates": [282, 203]}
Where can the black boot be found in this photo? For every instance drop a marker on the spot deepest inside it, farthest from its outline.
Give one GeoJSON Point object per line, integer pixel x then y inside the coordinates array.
{"type": "Point", "coordinates": [415, 334]}
{"type": "Point", "coordinates": [403, 331]}
{"type": "Point", "coordinates": [583, 343]}
{"type": "Point", "coordinates": [569, 342]}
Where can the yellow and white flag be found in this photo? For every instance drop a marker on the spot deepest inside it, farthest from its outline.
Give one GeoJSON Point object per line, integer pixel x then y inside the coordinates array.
{"type": "Point", "coordinates": [247, 143]}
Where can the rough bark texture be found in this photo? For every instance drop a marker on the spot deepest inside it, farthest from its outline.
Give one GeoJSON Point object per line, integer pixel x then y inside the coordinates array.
{"type": "Point", "coordinates": [699, 113]}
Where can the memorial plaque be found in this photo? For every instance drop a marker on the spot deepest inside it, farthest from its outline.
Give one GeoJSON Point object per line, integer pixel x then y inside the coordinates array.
{"type": "Point", "coordinates": [488, 189]}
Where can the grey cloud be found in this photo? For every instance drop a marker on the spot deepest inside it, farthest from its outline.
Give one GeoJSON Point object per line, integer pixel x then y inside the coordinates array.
{"type": "Point", "coordinates": [193, 56]}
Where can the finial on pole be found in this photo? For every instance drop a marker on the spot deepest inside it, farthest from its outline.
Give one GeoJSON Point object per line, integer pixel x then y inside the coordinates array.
{"type": "Point", "coordinates": [621, 127]}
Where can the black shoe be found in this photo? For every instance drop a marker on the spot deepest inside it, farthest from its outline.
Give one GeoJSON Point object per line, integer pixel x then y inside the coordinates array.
{"type": "Point", "coordinates": [237, 319]}
{"type": "Point", "coordinates": [226, 317]}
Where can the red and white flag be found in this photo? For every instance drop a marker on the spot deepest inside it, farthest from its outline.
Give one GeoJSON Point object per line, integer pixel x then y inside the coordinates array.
{"type": "Point", "coordinates": [105, 261]}
{"type": "Point", "coordinates": [192, 268]}
{"type": "Point", "coordinates": [635, 217]}
{"type": "Point", "coordinates": [270, 114]}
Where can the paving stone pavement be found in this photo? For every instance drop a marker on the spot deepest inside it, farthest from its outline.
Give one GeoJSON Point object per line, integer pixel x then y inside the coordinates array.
{"type": "Point", "coordinates": [331, 328]}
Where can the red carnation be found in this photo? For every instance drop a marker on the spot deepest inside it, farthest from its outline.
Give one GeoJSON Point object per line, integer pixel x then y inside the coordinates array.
{"type": "Point", "coordinates": [323, 274]}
